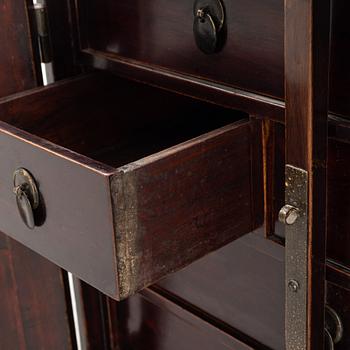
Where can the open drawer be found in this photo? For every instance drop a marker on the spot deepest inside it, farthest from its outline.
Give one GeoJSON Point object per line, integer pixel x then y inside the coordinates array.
{"type": "Point", "coordinates": [133, 182]}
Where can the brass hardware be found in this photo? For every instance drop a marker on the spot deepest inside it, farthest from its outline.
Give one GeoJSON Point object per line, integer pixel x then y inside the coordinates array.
{"type": "Point", "coordinates": [294, 215]}
{"type": "Point", "coordinates": [208, 25]}
{"type": "Point", "coordinates": [27, 196]}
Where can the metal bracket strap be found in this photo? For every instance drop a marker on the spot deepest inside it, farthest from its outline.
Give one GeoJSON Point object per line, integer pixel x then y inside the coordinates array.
{"type": "Point", "coordinates": [294, 215]}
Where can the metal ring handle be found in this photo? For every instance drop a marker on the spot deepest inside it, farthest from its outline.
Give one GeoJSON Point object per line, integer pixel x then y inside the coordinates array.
{"type": "Point", "coordinates": [337, 323]}
{"type": "Point", "coordinates": [329, 339]}
{"type": "Point", "coordinates": [205, 32]}
{"type": "Point", "coordinates": [27, 196]}
{"type": "Point", "coordinates": [209, 20]}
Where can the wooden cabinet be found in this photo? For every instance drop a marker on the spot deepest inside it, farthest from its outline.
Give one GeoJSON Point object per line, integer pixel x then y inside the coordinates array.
{"type": "Point", "coordinates": [159, 170]}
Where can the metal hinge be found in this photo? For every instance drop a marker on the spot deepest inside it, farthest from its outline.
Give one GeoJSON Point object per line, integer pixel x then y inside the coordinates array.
{"type": "Point", "coordinates": [44, 40]}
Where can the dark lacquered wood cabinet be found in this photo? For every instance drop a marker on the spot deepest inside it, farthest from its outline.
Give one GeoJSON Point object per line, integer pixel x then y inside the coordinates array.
{"type": "Point", "coordinates": [174, 174]}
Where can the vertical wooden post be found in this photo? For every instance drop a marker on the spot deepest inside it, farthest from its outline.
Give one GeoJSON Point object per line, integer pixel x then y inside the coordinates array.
{"type": "Point", "coordinates": [307, 35]}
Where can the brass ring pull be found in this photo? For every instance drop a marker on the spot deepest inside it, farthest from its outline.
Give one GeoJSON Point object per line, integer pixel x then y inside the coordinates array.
{"type": "Point", "coordinates": [27, 196]}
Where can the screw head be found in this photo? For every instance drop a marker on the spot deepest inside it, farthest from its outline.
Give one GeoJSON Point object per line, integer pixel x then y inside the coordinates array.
{"type": "Point", "coordinates": [293, 285]}
{"type": "Point", "coordinates": [288, 215]}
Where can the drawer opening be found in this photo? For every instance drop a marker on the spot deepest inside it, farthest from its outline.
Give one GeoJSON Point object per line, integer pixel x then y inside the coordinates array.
{"type": "Point", "coordinates": [112, 120]}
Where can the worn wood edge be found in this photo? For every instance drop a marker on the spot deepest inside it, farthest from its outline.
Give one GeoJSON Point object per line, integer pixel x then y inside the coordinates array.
{"type": "Point", "coordinates": [83, 80]}
{"type": "Point", "coordinates": [55, 150]}
{"type": "Point", "coordinates": [183, 146]}
{"type": "Point", "coordinates": [124, 209]}
{"type": "Point", "coordinates": [187, 85]}
{"type": "Point", "coordinates": [123, 184]}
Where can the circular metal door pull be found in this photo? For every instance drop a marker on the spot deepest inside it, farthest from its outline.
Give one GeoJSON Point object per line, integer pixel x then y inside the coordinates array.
{"type": "Point", "coordinates": [209, 17]}
{"type": "Point", "coordinates": [27, 196]}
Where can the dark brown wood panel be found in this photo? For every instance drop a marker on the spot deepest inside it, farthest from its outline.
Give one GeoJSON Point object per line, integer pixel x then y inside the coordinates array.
{"type": "Point", "coordinates": [149, 321]}
{"type": "Point", "coordinates": [338, 242]}
{"type": "Point", "coordinates": [99, 328]}
{"type": "Point", "coordinates": [250, 273]}
{"type": "Point", "coordinates": [339, 101]}
{"type": "Point", "coordinates": [11, 326]}
{"type": "Point", "coordinates": [190, 86]}
{"type": "Point", "coordinates": [32, 317]}
{"type": "Point", "coordinates": [57, 113]}
{"type": "Point", "coordinates": [16, 57]}
{"type": "Point", "coordinates": [239, 288]}
{"type": "Point", "coordinates": [70, 190]}
{"type": "Point", "coordinates": [307, 35]}
{"type": "Point", "coordinates": [160, 33]}
{"type": "Point", "coordinates": [252, 60]}
{"type": "Point", "coordinates": [45, 312]}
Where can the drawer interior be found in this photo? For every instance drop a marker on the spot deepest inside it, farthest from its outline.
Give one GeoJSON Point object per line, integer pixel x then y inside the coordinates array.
{"type": "Point", "coordinates": [112, 120]}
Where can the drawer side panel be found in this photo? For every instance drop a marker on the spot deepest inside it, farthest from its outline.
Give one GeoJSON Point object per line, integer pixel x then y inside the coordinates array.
{"type": "Point", "coordinates": [180, 204]}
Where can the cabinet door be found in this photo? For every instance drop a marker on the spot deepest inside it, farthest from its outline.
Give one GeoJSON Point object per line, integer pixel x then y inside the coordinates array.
{"type": "Point", "coordinates": [307, 34]}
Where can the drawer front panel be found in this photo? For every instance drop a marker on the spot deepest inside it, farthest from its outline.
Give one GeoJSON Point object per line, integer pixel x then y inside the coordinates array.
{"type": "Point", "coordinates": [77, 230]}
{"type": "Point", "coordinates": [160, 32]}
